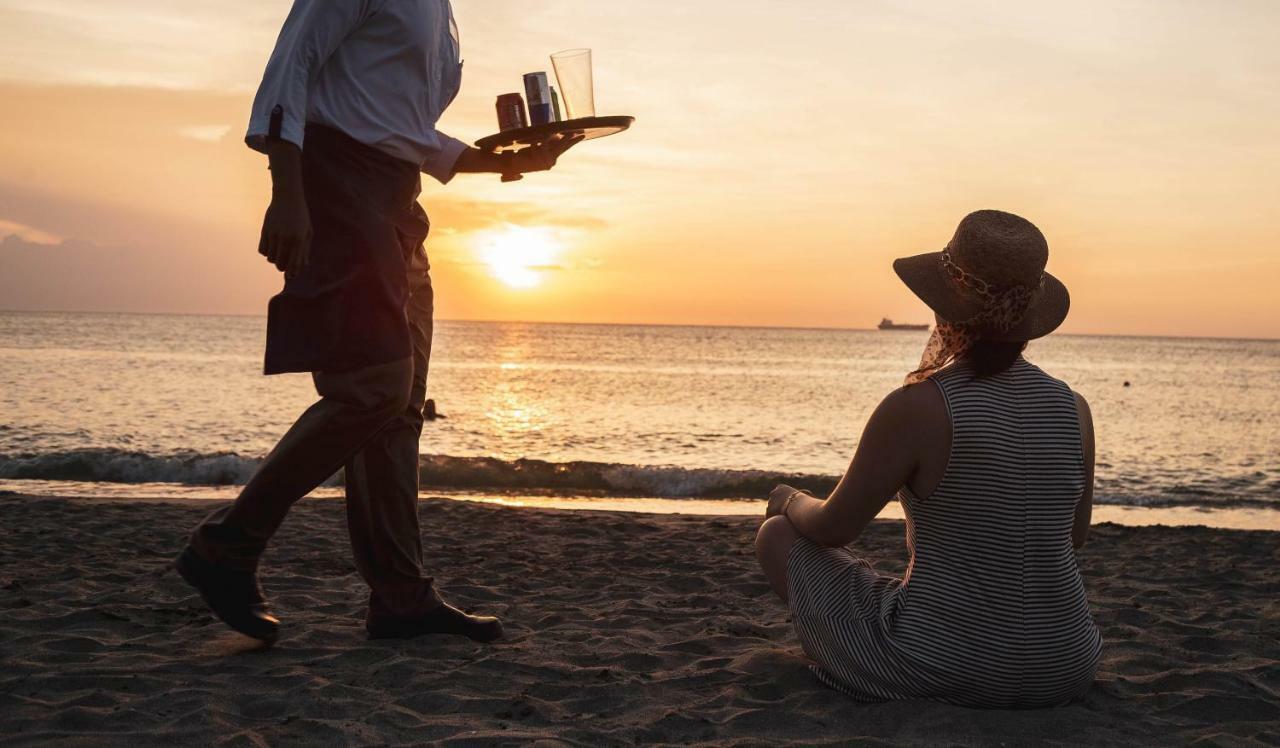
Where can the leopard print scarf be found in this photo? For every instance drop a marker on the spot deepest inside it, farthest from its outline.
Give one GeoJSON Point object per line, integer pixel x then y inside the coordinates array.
{"type": "Point", "coordinates": [1002, 310]}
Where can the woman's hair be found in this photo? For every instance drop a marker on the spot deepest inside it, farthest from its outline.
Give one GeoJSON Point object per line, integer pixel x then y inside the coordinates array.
{"type": "Point", "coordinates": [991, 357]}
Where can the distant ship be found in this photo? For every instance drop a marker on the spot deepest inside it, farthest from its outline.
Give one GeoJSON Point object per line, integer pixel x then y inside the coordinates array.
{"type": "Point", "coordinates": [888, 324]}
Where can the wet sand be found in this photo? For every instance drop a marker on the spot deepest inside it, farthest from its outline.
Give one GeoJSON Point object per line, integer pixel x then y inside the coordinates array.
{"type": "Point", "coordinates": [622, 629]}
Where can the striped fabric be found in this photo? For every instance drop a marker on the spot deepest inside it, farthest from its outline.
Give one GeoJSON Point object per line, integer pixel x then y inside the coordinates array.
{"type": "Point", "coordinates": [992, 610]}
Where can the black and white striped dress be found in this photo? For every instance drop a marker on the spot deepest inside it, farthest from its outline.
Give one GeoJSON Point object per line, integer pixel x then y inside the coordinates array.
{"type": "Point", "coordinates": [992, 610]}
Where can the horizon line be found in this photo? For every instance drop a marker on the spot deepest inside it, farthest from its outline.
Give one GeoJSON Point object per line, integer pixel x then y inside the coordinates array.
{"type": "Point", "coordinates": [814, 328]}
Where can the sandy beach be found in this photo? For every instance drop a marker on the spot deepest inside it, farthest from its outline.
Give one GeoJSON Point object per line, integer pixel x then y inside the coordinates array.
{"type": "Point", "coordinates": [622, 629]}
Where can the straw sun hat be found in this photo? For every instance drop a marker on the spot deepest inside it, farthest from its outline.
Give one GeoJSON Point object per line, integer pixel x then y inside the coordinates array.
{"type": "Point", "coordinates": [992, 272]}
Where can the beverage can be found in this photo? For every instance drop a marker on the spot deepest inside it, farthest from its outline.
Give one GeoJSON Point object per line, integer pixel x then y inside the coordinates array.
{"type": "Point", "coordinates": [511, 114]}
{"type": "Point", "coordinates": [538, 91]}
{"type": "Point", "coordinates": [555, 104]}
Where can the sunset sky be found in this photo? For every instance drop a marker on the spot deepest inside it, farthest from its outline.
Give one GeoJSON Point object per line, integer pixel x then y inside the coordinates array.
{"type": "Point", "coordinates": [784, 154]}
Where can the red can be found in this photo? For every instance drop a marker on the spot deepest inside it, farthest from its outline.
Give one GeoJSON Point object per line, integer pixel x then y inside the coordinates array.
{"type": "Point", "coordinates": [511, 112]}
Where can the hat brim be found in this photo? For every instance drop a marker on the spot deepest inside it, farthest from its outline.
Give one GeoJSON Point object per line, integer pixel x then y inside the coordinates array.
{"type": "Point", "coordinates": [927, 279]}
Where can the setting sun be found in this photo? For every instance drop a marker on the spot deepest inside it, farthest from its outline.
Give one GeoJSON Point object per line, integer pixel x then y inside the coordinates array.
{"type": "Point", "coordinates": [519, 256]}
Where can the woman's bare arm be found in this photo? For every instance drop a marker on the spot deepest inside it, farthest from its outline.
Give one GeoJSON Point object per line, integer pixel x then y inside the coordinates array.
{"type": "Point", "coordinates": [886, 458]}
{"type": "Point", "coordinates": [1084, 509]}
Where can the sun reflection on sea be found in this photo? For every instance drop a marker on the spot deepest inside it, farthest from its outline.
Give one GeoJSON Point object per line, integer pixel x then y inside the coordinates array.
{"type": "Point", "coordinates": [510, 406]}
{"type": "Point", "coordinates": [511, 413]}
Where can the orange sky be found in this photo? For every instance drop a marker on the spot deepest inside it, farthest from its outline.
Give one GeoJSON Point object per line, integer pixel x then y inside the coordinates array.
{"type": "Point", "coordinates": [784, 154]}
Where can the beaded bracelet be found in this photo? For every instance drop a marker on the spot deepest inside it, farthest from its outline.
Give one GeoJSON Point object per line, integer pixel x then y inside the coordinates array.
{"type": "Point", "coordinates": [787, 504]}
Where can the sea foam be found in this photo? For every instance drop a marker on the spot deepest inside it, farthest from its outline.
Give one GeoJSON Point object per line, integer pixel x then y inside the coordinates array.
{"type": "Point", "coordinates": [539, 476]}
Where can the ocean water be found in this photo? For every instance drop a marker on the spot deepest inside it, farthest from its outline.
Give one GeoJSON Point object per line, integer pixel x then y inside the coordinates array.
{"type": "Point", "coordinates": [668, 412]}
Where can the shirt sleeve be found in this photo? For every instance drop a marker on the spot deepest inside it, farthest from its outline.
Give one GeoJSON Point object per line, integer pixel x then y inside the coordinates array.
{"type": "Point", "coordinates": [312, 32]}
{"type": "Point", "coordinates": [442, 164]}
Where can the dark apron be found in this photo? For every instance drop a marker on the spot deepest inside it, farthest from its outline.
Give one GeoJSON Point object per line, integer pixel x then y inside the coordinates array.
{"type": "Point", "coordinates": [346, 311]}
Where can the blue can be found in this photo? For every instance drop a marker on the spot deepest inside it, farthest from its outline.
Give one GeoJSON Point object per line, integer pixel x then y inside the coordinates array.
{"type": "Point", "coordinates": [538, 92]}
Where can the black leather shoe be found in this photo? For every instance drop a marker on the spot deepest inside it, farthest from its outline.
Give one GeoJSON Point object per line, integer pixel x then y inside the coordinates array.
{"type": "Point", "coordinates": [233, 596]}
{"type": "Point", "coordinates": [443, 619]}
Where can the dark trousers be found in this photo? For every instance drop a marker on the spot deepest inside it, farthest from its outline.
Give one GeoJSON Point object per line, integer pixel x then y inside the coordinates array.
{"type": "Point", "coordinates": [370, 422]}
{"type": "Point", "coordinates": [360, 319]}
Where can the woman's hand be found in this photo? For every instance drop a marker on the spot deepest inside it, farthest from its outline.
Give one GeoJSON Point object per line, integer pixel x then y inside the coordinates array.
{"type": "Point", "coordinates": [778, 499]}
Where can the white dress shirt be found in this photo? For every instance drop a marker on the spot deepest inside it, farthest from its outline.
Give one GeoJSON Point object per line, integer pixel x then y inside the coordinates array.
{"type": "Point", "coordinates": [381, 71]}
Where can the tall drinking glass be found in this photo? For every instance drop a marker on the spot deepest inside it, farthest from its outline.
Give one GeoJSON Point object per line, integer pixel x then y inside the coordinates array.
{"type": "Point", "coordinates": [573, 72]}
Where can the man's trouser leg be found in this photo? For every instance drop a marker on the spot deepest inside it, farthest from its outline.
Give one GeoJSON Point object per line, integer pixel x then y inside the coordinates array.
{"type": "Point", "coordinates": [353, 406]}
{"type": "Point", "coordinates": [382, 483]}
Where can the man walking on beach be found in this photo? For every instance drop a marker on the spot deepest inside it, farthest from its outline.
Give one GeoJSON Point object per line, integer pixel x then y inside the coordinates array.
{"type": "Point", "coordinates": [346, 114]}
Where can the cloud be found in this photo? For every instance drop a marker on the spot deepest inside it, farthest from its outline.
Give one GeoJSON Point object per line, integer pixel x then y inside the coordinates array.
{"type": "Point", "coordinates": [27, 233]}
{"type": "Point", "coordinates": [160, 194]}
{"type": "Point", "coordinates": [192, 44]}
{"type": "Point", "coordinates": [78, 275]}
{"type": "Point", "coordinates": [463, 215]}
{"type": "Point", "coordinates": [206, 133]}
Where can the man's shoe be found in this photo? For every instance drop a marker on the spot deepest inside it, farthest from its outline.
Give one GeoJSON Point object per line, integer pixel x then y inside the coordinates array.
{"type": "Point", "coordinates": [233, 596]}
{"type": "Point", "coordinates": [443, 619]}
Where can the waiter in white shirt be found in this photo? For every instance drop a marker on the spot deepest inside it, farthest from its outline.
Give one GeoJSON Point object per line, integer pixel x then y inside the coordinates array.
{"type": "Point", "coordinates": [346, 114]}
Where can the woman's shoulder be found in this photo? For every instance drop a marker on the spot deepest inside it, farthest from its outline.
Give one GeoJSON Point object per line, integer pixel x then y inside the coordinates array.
{"type": "Point", "coordinates": [915, 406]}
{"type": "Point", "coordinates": [1050, 379]}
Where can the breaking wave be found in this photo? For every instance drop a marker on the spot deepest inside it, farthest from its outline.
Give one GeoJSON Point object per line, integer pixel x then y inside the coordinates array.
{"type": "Point", "coordinates": [612, 479]}
{"type": "Point", "coordinates": [437, 471]}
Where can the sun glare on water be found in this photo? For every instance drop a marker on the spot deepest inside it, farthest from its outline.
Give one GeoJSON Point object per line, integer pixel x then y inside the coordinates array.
{"type": "Point", "coordinates": [519, 256]}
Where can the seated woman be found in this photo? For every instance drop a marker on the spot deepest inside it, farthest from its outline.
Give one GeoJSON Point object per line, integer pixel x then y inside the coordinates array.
{"type": "Point", "coordinates": [992, 461]}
